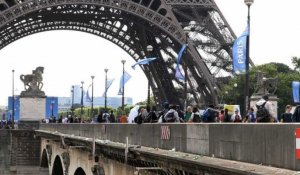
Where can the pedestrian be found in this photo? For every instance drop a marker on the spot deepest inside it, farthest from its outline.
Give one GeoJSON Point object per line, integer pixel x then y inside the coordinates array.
{"type": "Point", "coordinates": [112, 117]}
{"type": "Point", "coordinates": [188, 114]}
{"type": "Point", "coordinates": [287, 116]}
{"type": "Point", "coordinates": [264, 112]}
{"type": "Point", "coordinates": [227, 117]}
{"type": "Point", "coordinates": [296, 114]}
{"type": "Point", "coordinates": [236, 117]}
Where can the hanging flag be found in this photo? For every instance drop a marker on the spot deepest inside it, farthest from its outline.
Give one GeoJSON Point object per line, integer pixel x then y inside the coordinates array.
{"type": "Point", "coordinates": [88, 98]}
{"type": "Point", "coordinates": [178, 73]}
{"type": "Point", "coordinates": [127, 76]}
{"type": "Point", "coordinates": [109, 82]}
{"type": "Point", "coordinates": [295, 86]}
{"type": "Point", "coordinates": [239, 53]}
{"type": "Point", "coordinates": [143, 61]}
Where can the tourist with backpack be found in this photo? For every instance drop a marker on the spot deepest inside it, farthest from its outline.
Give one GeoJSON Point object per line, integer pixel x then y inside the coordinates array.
{"type": "Point", "coordinates": [105, 117]}
{"type": "Point", "coordinates": [264, 112]}
{"type": "Point", "coordinates": [171, 116]}
{"type": "Point", "coordinates": [210, 115]}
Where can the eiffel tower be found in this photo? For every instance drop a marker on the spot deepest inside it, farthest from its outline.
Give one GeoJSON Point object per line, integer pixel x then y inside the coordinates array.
{"type": "Point", "coordinates": [133, 25]}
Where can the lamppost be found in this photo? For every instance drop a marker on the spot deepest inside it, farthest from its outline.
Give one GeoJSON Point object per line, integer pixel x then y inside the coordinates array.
{"type": "Point", "coordinates": [13, 99]}
{"type": "Point", "coordinates": [149, 50]}
{"type": "Point", "coordinates": [92, 107]}
{"type": "Point", "coordinates": [72, 106]}
{"type": "Point", "coordinates": [81, 101]}
{"type": "Point", "coordinates": [123, 62]}
{"type": "Point", "coordinates": [248, 3]}
{"type": "Point", "coordinates": [105, 97]}
{"type": "Point", "coordinates": [52, 107]}
{"type": "Point", "coordinates": [235, 88]}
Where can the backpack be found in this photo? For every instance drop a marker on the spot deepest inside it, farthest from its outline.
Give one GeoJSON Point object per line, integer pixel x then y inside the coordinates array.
{"type": "Point", "coordinates": [209, 115]}
{"type": "Point", "coordinates": [151, 117]}
{"type": "Point", "coordinates": [105, 117]}
{"type": "Point", "coordinates": [138, 119]}
{"type": "Point", "coordinates": [262, 112]}
{"type": "Point", "coordinates": [196, 118]}
{"type": "Point", "coordinates": [169, 117]}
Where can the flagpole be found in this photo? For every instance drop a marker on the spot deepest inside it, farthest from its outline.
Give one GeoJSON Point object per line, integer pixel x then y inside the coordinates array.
{"type": "Point", "coordinates": [105, 97]}
{"type": "Point", "coordinates": [81, 102]}
{"type": "Point", "coordinates": [248, 3]}
{"type": "Point", "coordinates": [149, 49]}
{"type": "Point", "coordinates": [13, 100]}
{"type": "Point", "coordinates": [123, 89]}
{"type": "Point", "coordinates": [92, 107]}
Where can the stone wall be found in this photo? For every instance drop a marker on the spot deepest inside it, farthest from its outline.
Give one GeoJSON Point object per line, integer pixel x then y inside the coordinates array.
{"type": "Point", "coordinates": [267, 144]}
{"type": "Point", "coordinates": [4, 150]}
{"type": "Point", "coordinates": [19, 152]}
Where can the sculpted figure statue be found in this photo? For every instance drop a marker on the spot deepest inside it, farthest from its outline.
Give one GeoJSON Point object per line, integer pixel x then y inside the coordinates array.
{"type": "Point", "coordinates": [265, 85]}
{"type": "Point", "coordinates": [33, 82]}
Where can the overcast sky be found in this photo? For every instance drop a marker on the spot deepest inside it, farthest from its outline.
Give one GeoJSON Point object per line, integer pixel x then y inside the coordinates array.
{"type": "Point", "coordinates": [70, 57]}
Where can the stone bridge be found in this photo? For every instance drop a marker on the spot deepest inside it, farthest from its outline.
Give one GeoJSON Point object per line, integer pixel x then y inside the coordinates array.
{"type": "Point", "coordinates": [59, 149]}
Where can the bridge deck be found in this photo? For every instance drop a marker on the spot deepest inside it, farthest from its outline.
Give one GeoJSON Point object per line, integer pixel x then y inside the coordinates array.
{"type": "Point", "coordinates": [174, 159]}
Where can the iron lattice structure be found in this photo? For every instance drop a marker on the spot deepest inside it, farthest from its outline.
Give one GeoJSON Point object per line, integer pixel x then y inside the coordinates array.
{"type": "Point", "coordinates": [134, 24]}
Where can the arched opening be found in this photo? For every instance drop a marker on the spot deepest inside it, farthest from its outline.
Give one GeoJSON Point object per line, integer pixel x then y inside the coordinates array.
{"type": "Point", "coordinates": [44, 160]}
{"type": "Point", "coordinates": [79, 171]}
{"type": "Point", "coordinates": [57, 167]}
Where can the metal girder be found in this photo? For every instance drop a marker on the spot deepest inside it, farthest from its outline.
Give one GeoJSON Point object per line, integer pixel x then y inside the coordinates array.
{"type": "Point", "coordinates": [132, 25]}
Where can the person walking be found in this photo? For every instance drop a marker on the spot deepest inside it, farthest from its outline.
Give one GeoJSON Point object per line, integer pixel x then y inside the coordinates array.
{"type": "Point", "coordinates": [264, 112]}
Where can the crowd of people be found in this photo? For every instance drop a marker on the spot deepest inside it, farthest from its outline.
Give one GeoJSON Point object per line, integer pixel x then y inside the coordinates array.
{"type": "Point", "coordinates": [262, 112]}
{"type": "Point", "coordinates": [4, 124]}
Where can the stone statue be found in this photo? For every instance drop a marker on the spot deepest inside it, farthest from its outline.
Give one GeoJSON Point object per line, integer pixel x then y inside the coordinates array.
{"type": "Point", "coordinates": [33, 83]}
{"type": "Point", "coordinates": [265, 85]}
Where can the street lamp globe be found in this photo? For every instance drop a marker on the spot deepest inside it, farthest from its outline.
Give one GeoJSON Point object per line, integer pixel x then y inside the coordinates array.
{"type": "Point", "coordinates": [235, 85]}
{"type": "Point", "coordinates": [248, 2]}
{"type": "Point", "coordinates": [105, 70]}
{"type": "Point", "coordinates": [123, 61]}
{"type": "Point", "coordinates": [149, 48]}
{"type": "Point", "coordinates": [92, 77]}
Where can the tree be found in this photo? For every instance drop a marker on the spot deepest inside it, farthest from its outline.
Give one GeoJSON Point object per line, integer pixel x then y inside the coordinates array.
{"type": "Point", "coordinates": [296, 63]}
{"type": "Point", "coordinates": [285, 75]}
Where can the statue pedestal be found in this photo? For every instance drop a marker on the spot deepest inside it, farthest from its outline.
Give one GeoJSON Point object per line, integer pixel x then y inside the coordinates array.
{"type": "Point", "coordinates": [272, 98]}
{"type": "Point", "coordinates": [32, 109]}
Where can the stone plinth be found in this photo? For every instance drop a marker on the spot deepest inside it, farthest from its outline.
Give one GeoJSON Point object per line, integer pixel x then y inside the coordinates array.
{"type": "Point", "coordinates": [273, 99]}
{"type": "Point", "coordinates": [32, 109]}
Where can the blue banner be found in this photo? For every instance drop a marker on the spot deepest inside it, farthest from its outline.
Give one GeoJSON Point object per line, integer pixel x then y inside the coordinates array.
{"type": "Point", "coordinates": [239, 53]}
{"type": "Point", "coordinates": [109, 83]}
{"type": "Point", "coordinates": [295, 86]}
{"type": "Point", "coordinates": [178, 73]}
{"type": "Point", "coordinates": [88, 98]}
{"type": "Point", "coordinates": [127, 76]}
{"type": "Point", "coordinates": [143, 61]}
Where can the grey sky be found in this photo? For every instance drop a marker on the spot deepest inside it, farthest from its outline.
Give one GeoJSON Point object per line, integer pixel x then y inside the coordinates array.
{"type": "Point", "coordinates": [70, 57]}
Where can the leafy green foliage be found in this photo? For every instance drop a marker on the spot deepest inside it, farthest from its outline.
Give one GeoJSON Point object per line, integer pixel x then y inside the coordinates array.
{"type": "Point", "coordinates": [235, 95]}
{"type": "Point", "coordinates": [296, 63]}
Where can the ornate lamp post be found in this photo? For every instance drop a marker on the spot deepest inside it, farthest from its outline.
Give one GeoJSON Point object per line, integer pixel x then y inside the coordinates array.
{"type": "Point", "coordinates": [248, 3]}
{"type": "Point", "coordinates": [149, 50]}
{"type": "Point", "coordinates": [81, 101]}
{"type": "Point", "coordinates": [13, 100]}
{"type": "Point", "coordinates": [123, 90]}
{"type": "Point", "coordinates": [92, 107]}
{"type": "Point", "coordinates": [105, 97]}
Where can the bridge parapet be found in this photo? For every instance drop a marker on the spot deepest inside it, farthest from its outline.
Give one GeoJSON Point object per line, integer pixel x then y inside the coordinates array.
{"type": "Point", "coordinates": [268, 144]}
